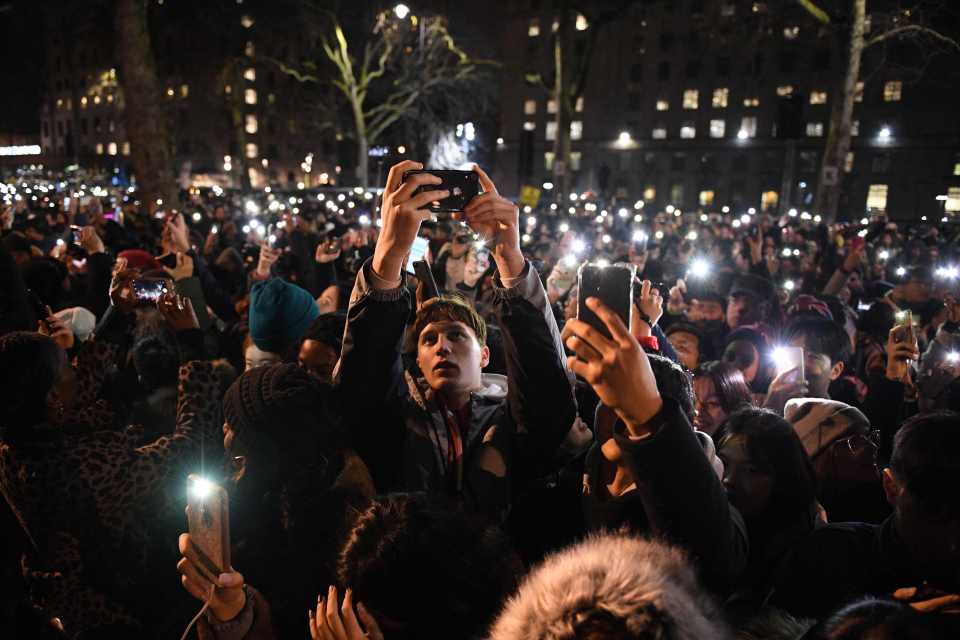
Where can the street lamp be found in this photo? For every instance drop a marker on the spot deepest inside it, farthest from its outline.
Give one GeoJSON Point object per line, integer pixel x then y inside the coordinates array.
{"type": "Point", "coordinates": [884, 134]}
{"type": "Point", "coordinates": [401, 11]}
{"type": "Point", "coordinates": [742, 134]}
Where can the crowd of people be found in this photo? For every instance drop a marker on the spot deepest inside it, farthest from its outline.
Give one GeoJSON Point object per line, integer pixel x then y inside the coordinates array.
{"type": "Point", "coordinates": [766, 446]}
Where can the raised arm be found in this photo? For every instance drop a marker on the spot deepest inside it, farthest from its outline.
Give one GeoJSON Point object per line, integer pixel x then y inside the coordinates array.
{"type": "Point", "coordinates": [682, 495]}
{"type": "Point", "coordinates": [540, 391]}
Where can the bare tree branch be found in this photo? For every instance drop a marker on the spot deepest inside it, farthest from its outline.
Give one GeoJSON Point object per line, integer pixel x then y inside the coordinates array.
{"type": "Point", "coordinates": [917, 30]}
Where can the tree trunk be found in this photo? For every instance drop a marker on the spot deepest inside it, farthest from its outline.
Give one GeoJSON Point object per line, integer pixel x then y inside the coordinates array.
{"type": "Point", "coordinates": [363, 144]}
{"type": "Point", "coordinates": [829, 186]}
{"type": "Point", "coordinates": [150, 142]}
{"type": "Point", "coordinates": [563, 63]}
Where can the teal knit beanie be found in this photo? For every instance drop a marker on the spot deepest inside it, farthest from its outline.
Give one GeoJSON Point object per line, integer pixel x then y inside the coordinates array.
{"type": "Point", "coordinates": [280, 313]}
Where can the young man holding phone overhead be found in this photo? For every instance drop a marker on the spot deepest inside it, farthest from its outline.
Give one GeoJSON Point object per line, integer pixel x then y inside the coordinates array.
{"type": "Point", "coordinates": [445, 428]}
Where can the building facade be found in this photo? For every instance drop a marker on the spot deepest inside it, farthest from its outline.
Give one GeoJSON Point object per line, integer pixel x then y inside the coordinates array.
{"type": "Point", "coordinates": [703, 104]}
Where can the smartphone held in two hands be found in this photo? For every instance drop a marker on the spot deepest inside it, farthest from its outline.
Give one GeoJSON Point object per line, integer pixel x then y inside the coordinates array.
{"type": "Point", "coordinates": [463, 186]}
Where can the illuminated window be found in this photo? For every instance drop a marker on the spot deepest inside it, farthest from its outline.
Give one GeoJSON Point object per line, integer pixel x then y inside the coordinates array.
{"type": "Point", "coordinates": [529, 125]}
{"type": "Point", "coordinates": [706, 198]}
{"type": "Point", "coordinates": [582, 24]}
{"type": "Point", "coordinates": [952, 205]}
{"type": "Point", "coordinates": [791, 33]}
{"type": "Point", "coordinates": [529, 107]}
{"type": "Point", "coordinates": [848, 162]}
{"type": "Point", "coordinates": [534, 29]}
{"type": "Point", "coordinates": [720, 97]}
{"type": "Point", "coordinates": [59, 103]}
{"type": "Point", "coordinates": [575, 157]}
{"type": "Point", "coordinates": [251, 150]}
{"type": "Point", "coordinates": [751, 102]}
{"type": "Point", "coordinates": [250, 96]}
{"type": "Point", "coordinates": [718, 128]}
{"type": "Point", "coordinates": [579, 106]}
{"type": "Point", "coordinates": [691, 99]}
{"type": "Point", "coordinates": [112, 148]}
{"type": "Point", "coordinates": [126, 148]}
{"type": "Point", "coordinates": [83, 102]}
{"type": "Point", "coordinates": [877, 197]}
{"type": "Point", "coordinates": [251, 123]}
{"type": "Point", "coordinates": [250, 74]}
{"type": "Point", "coordinates": [676, 193]}
{"type": "Point", "coordinates": [99, 148]}
{"type": "Point", "coordinates": [548, 160]}
{"type": "Point", "coordinates": [250, 50]}
{"type": "Point", "coordinates": [855, 128]}
{"type": "Point", "coordinates": [956, 169]}
{"type": "Point", "coordinates": [818, 97]}
{"type": "Point", "coordinates": [184, 90]}
{"type": "Point", "coordinates": [659, 133]}
{"type": "Point", "coordinates": [109, 98]}
{"type": "Point", "coordinates": [785, 90]}
{"type": "Point", "coordinates": [246, 21]}
{"type": "Point", "coordinates": [551, 106]}
{"type": "Point", "coordinates": [227, 89]}
{"type": "Point", "coordinates": [96, 99]}
{"type": "Point", "coordinates": [688, 131]}
{"type": "Point", "coordinates": [551, 131]}
{"type": "Point", "coordinates": [748, 126]}
{"type": "Point", "coordinates": [858, 92]}
{"type": "Point", "coordinates": [892, 91]}
{"type": "Point", "coordinates": [769, 200]}
{"type": "Point", "coordinates": [576, 130]}
{"type": "Point", "coordinates": [815, 129]}
{"type": "Point", "coordinates": [663, 105]}
{"type": "Point", "coordinates": [271, 98]}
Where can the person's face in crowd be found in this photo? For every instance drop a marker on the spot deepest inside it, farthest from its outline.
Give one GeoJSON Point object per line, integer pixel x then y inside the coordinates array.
{"type": "Point", "coordinates": [933, 543]}
{"type": "Point", "coordinates": [741, 310]}
{"type": "Point", "coordinates": [687, 346]}
{"type": "Point", "coordinates": [451, 358]}
{"type": "Point", "coordinates": [915, 291]}
{"type": "Point", "coordinates": [709, 411]}
{"type": "Point", "coordinates": [855, 283]}
{"type": "Point", "coordinates": [748, 486]}
{"type": "Point", "coordinates": [318, 359]}
{"type": "Point", "coordinates": [219, 213]}
{"type": "Point", "coordinates": [476, 265]}
{"type": "Point", "coordinates": [460, 245]}
{"type": "Point", "coordinates": [255, 357]}
{"type": "Point", "coordinates": [705, 311]}
{"type": "Point", "coordinates": [817, 368]}
{"type": "Point", "coordinates": [743, 355]}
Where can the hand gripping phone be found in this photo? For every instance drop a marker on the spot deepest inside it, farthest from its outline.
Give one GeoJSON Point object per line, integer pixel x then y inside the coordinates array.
{"type": "Point", "coordinates": [208, 519]}
{"type": "Point", "coordinates": [613, 285]}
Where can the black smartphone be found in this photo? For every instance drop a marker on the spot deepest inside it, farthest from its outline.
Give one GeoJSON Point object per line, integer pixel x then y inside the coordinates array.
{"type": "Point", "coordinates": [150, 289]}
{"type": "Point", "coordinates": [462, 185]}
{"type": "Point", "coordinates": [613, 285]}
{"type": "Point", "coordinates": [425, 275]}
{"type": "Point", "coordinates": [169, 260]}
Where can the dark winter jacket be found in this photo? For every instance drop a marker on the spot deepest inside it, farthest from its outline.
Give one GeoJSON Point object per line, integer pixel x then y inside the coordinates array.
{"type": "Point", "coordinates": [401, 432]}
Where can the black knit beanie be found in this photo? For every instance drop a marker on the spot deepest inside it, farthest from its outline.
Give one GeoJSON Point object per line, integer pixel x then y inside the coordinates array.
{"type": "Point", "coordinates": [282, 397]}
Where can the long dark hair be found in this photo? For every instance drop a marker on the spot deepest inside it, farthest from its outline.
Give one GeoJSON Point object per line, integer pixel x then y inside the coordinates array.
{"type": "Point", "coordinates": [731, 388]}
{"type": "Point", "coordinates": [30, 365]}
{"type": "Point", "coordinates": [775, 448]}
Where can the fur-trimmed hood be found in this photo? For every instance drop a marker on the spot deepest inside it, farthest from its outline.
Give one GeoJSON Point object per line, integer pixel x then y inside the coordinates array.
{"type": "Point", "coordinates": [649, 585]}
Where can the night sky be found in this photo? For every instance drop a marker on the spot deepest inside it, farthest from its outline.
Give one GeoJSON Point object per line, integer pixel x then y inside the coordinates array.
{"type": "Point", "coordinates": [21, 66]}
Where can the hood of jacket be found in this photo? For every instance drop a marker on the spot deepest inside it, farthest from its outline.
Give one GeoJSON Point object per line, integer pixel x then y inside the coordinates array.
{"type": "Point", "coordinates": [493, 389]}
{"type": "Point", "coordinates": [819, 421]}
{"type": "Point", "coordinates": [650, 586]}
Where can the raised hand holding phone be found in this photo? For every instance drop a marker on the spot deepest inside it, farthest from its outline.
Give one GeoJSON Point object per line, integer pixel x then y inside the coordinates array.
{"type": "Point", "coordinates": [497, 220]}
{"type": "Point", "coordinates": [617, 368]}
{"type": "Point", "coordinates": [402, 214]}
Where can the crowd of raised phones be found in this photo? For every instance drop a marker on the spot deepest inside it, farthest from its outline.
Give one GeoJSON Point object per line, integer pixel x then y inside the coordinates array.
{"type": "Point", "coordinates": [765, 446]}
